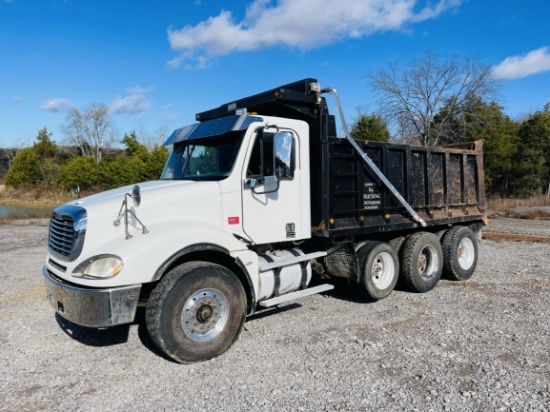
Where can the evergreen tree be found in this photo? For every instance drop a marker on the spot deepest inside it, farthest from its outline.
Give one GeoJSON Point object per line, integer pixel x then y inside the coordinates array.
{"type": "Point", "coordinates": [25, 169]}
{"type": "Point", "coordinates": [36, 164]}
{"type": "Point", "coordinates": [475, 120]}
{"type": "Point", "coordinates": [49, 162]}
{"type": "Point", "coordinates": [81, 171]}
{"type": "Point", "coordinates": [155, 163]}
{"type": "Point", "coordinates": [133, 147]}
{"type": "Point", "coordinates": [533, 155]}
{"type": "Point", "coordinates": [44, 146]}
{"type": "Point", "coordinates": [370, 127]}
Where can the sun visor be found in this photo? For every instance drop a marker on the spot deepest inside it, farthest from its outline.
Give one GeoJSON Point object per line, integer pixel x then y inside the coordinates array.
{"type": "Point", "coordinates": [214, 127]}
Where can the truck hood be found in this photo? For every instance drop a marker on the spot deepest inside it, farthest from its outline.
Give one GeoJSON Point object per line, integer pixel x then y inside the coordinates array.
{"type": "Point", "coordinates": [154, 194]}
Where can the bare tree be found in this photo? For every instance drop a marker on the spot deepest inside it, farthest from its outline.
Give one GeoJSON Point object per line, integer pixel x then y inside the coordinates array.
{"type": "Point", "coordinates": [410, 99]}
{"type": "Point", "coordinates": [90, 130]}
{"type": "Point", "coordinates": [151, 141]}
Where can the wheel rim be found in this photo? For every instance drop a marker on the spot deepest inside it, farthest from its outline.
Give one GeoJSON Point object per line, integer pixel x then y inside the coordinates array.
{"type": "Point", "coordinates": [466, 253]}
{"type": "Point", "coordinates": [204, 315]}
{"type": "Point", "coordinates": [428, 262]}
{"type": "Point", "coordinates": [383, 270]}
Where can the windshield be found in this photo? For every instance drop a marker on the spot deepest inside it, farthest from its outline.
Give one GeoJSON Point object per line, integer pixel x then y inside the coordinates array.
{"type": "Point", "coordinates": [203, 159]}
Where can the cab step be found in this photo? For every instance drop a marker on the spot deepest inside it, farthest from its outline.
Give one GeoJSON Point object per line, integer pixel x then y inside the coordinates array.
{"type": "Point", "coordinates": [292, 261]}
{"type": "Point", "coordinates": [296, 295]}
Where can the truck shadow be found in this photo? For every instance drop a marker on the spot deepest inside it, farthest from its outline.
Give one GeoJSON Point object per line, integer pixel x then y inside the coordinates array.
{"type": "Point", "coordinates": [144, 337]}
{"type": "Point", "coordinates": [92, 336]}
{"type": "Point", "coordinates": [115, 335]}
{"type": "Point", "coordinates": [263, 313]}
{"type": "Point", "coordinates": [346, 291]}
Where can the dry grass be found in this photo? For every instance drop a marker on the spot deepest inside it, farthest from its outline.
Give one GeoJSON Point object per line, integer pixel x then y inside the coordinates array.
{"type": "Point", "coordinates": [35, 196]}
{"type": "Point", "coordinates": [530, 214]}
{"type": "Point", "coordinates": [502, 204]}
{"type": "Point", "coordinates": [40, 200]}
{"type": "Point", "coordinates": [533, 208]}
{"type": "Point", "coordinates": [34, 217]}
{"type": "Point", "coordinates": [514, 237]}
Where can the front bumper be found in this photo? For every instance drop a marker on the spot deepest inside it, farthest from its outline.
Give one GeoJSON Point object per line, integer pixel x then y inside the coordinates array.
{"type": "Point", "coordinates": [96, 308]}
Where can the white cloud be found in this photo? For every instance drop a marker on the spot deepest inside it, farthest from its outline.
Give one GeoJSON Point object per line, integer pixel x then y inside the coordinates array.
{"type": "Point", "coordinates": [302, 24]}
{"type": "Point", "coordinates": [135, 102]}
{"type": "Point", "coordinates": [55, 105]}
{"type": "Point", "coordinates": [137, 89]}
{"type": "Point", "coordinates": [536, 61]}
{"type": "Point", "coordinates": [17, 99]}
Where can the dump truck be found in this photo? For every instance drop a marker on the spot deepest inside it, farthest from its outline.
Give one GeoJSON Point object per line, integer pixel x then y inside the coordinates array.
{"type": "Point", "coordinates": [261, 203]}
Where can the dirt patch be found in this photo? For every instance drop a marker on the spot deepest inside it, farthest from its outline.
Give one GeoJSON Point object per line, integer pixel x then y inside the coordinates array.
{"type": "Point", "coordinates": [36, 292]}
{"type": "Point", "coordinates": [523, 213]}
{"type": "Point", "coordinates": [514, 237]}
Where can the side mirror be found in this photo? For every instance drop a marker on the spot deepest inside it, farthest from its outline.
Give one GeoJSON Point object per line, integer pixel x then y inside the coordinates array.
{"type": "Point", "coordinates": [136, 195]}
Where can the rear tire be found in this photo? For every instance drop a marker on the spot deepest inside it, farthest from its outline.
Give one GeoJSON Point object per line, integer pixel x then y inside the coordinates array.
{"type": "Point", "coordinates": [460, 251]}
{"type": "Point", "coordinates": [421, 261]}
{"type": "Point", "coordinates": [196, 312]}
{"type": "Point", "coordinates": [379, 267]}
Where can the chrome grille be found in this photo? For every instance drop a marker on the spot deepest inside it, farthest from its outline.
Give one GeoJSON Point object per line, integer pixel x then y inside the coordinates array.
{"type": "Point", "coordinates": [62, 234]}
{"type": "Point", "coordinates": [67, 230]}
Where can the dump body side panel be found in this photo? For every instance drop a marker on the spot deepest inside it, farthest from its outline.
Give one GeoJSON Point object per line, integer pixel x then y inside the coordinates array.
{"type": "Point", "coordinates": [444, 185]}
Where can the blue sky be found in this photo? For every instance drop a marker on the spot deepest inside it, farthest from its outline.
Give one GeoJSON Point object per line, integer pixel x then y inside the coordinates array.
{"type": "Point", "coordinates": [155, 64]}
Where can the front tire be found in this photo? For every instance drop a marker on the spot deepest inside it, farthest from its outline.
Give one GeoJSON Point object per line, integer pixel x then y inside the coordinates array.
{"type": "Point", "coordinates": [421, 261]}
{"type": "Point", "coordinates": [196, 312]}
{"type": "Point", "coordinates": [460, 251]}
{"type": "Point", "coordinates": [379, 267]}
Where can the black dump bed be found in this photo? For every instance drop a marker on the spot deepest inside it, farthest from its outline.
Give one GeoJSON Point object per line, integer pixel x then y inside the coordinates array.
{"type": "Point", "coordinates": [444, 185]}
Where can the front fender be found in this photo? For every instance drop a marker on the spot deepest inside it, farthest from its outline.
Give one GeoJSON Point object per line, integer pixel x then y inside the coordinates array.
{"type": "Point", "coordinates": [200, 247]}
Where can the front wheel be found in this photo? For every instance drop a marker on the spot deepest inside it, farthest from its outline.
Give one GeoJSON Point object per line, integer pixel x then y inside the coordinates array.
{"type": "Point", "coordinates": [196, 312]}
{"type": "Point", "coordinates": [379, 270]}
{"type": "Point", "coordinates": [421, 261]}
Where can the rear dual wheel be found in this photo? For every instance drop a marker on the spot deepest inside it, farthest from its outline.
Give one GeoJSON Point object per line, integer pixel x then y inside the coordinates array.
{"type": "Point", "coordinates": [460, 251]}
{"type": "Point", "coordinates": [379, 268]}
{"type": "Point", "coordinates": [421, 261]}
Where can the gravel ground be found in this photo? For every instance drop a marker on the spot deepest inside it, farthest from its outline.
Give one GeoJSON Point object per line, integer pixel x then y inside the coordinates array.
{"type": "Point", "coordinates": [520, 226]}
{"type": "Point", "coordinates": [482, 345]}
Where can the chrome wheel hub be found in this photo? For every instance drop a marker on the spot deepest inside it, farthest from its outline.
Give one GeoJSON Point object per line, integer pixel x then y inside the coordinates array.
{"type": "Point", "coordinates": [466, 253]}
{"type": "Point", "coordinates": [428, 262]}
{"type": "Point", "coordinates": [204, 315]}
{"type": "Point", "coordinates": [383, 270]}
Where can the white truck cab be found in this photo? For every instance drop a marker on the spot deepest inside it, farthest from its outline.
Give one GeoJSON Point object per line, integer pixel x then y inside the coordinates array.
{"type": "Point", "coordinates": [228, 183]}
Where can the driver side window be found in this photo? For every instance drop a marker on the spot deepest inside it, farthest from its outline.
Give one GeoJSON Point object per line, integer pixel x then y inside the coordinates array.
{"type": "Point", "coordinates": [273, 154]}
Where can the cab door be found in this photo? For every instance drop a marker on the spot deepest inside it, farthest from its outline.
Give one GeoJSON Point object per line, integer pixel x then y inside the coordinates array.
{"type": "Point", "coordinates": [271, 188]}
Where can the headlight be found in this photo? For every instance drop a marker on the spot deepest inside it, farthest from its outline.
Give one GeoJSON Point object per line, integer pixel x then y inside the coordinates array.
{"type": "Point", "coordinates": [103, 266]}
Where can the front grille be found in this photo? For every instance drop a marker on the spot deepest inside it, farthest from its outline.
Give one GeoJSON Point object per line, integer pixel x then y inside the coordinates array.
{"type": "Point", "coordinates": [67, 230]}
{"type": "Point", "coordinates": [62, 234]}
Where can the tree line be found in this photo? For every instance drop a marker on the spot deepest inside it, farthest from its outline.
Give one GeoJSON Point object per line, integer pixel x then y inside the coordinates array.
{"type": "Point", "coordinates": [437, 100]}
{"type": "Point", "coordinates": [434, 100]}
{"type": "Point", "coordinates": [46, 164]}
